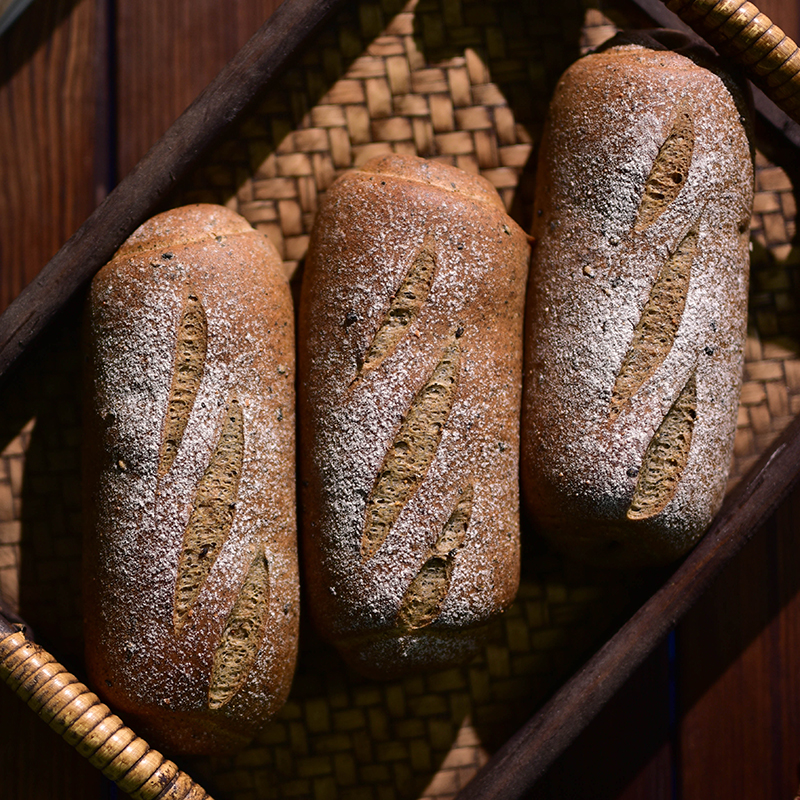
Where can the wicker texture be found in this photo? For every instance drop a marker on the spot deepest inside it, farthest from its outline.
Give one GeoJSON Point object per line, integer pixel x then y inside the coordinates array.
{"type": "Point", "coordinates": [463, 81]}
{"type": "Point", "coordinates": [771, 391]}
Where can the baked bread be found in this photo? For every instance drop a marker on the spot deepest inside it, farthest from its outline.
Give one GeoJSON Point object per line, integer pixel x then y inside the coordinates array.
{"type": "Point", "coordinates": [191, 588]}
{"type": "Point", "coordinates": [637, 304]}
{"type": "Point", "coordinates": [409, 387]}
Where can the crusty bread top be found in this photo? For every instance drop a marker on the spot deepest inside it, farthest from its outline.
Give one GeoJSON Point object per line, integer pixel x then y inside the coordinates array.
{"type": "Point", "coordinates": [435, 173]}
{"type": "Point", "coordinates": [446, 236]}
{"type": "Point", "coordinates": [639, 280]}
{"type": "Point", "coordinates": [181, 226]}
{"type": "Point", "coordinates": [195, 309]}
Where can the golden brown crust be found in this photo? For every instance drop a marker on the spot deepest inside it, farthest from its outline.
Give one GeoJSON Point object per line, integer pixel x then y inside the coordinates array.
{"type": "Point", "coordinates": [182, 227]}
{"type": "Point", "coordinates": [190, 341]}
{"type": "Point", "coordinates": [636, 312]}
{"type": "Point", "coordinates": [435, 174]}
{"type": "Point", "coordinates": [409, 366]}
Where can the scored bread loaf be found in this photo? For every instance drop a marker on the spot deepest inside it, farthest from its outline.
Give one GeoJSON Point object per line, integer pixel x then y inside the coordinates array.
{"type": "Point", "coordinates": [409, 387]}
{"type": "Point", "coordinates": [637, 303]}
{"type": "Point", "coordinates": [191, 587]}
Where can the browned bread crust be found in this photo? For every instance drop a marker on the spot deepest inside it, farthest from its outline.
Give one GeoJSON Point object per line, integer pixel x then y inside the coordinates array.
{"type": "Point", "coordinates": [637, 306]}
{"type": "Point", "coordinates": [191, 588]}
{"type": "Point", "coordinates": [410, 381]}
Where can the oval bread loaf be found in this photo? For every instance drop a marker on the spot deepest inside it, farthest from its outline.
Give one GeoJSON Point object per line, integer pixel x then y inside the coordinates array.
{"type": "Point", "coordinates": [637, 305]}
{"type": "Point", "coordinates": [191, 587]}
{"type": "Point", "coordinates": [410, 381]}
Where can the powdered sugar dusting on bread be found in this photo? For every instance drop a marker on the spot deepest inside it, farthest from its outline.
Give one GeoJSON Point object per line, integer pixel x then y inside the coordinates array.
{"type": "Point", "coordinates": [370, 230]}
{"type": "Point", "coordinates": [594, 270]}
{"type": "Point", "coordinates": [140, 516]}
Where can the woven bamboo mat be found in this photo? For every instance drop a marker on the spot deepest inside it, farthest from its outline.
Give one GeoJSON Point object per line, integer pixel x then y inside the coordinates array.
{"type": "Point", "coordinates": [467, 82]}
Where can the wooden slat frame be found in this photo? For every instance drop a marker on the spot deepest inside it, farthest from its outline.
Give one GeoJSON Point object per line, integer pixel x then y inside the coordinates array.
{"type": "Point", "coordinates": [527, 754]}
{"type": "Point", "coordinates": [136, 197]}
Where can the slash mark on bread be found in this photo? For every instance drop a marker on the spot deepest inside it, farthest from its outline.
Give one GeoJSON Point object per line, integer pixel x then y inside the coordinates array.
{"type": "Point", "coordinates": [241, 638]}
{"type": "Point", "coordinates": [212, 514]}
{"type": "Point", "coordinates": [669, 171]}
{"type": "Point", "coordinates": [190, 357]}
{"type": "Point", "coordinates": [411, 453]}
{"type": "Point", "coordinates": [658, 326]}
{"type": "Point", "coordinates": [405, 307]}
{"type": "Point", "coordinates": [426, 593]}
{"type": "Point", "coordinates": [666, 456]}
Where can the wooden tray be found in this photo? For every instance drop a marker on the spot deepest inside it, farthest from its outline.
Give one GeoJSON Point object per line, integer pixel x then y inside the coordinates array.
{"type": "Point", "coordinates": [467, 82]}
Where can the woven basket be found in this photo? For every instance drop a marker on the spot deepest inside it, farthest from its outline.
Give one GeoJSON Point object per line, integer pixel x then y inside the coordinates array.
{"type": "Point", "coordinates": [463, 81]}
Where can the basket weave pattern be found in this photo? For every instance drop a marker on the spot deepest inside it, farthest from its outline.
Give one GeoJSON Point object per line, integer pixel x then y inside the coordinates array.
{"type": "Point", "coordinates": [466, 82]}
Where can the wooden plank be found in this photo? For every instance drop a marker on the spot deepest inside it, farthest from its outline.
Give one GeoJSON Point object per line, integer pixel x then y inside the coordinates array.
{"type": "Point", "coordinates": [166, 53]}
{"type": "Point", "coordinates": [9, 11]}
{"type": "Point", "coordinates": [138, 194]}
{"type": "Point", "coordinates": [740, 646]}
{"type": "Point", "coordinates": [49, 84]}
{"type": "Point", "coordinates": [36, 763]}
{"type": "Point", "coordinates": [51, 126]}
{"type": "Point", "coordinates": [626, 752]}
{"type": "Point", "coordinates": [528, 753]}
{"type": "Point", "coordinates": [786, 15]}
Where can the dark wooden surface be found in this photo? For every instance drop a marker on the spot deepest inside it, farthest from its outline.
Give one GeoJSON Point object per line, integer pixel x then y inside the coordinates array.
{"type": "Point", "coordinates": [51, 128]}
{"type": "Point", "coordinates": [740, 698]}
{"type": "Point", "coordinates": [51, 88]}
{"type": "Point", "coordinates": [157, 172]}
{"type": "Point", "coordinates": [86, 87]}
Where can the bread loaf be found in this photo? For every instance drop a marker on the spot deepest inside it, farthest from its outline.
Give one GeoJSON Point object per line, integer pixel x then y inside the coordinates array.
{"type": "Point", "coordinates": [410, 381]}
{"type": "Point", "coordinates": [637, 304]}
{"type": "Point", "coordinates": [191, 589]}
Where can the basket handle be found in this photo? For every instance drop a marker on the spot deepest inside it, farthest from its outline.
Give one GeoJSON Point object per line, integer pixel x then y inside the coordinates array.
{"type": "Point", "coordinates": [89, 725]}
{"type": "Point", "coordinates": [747, 36]}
